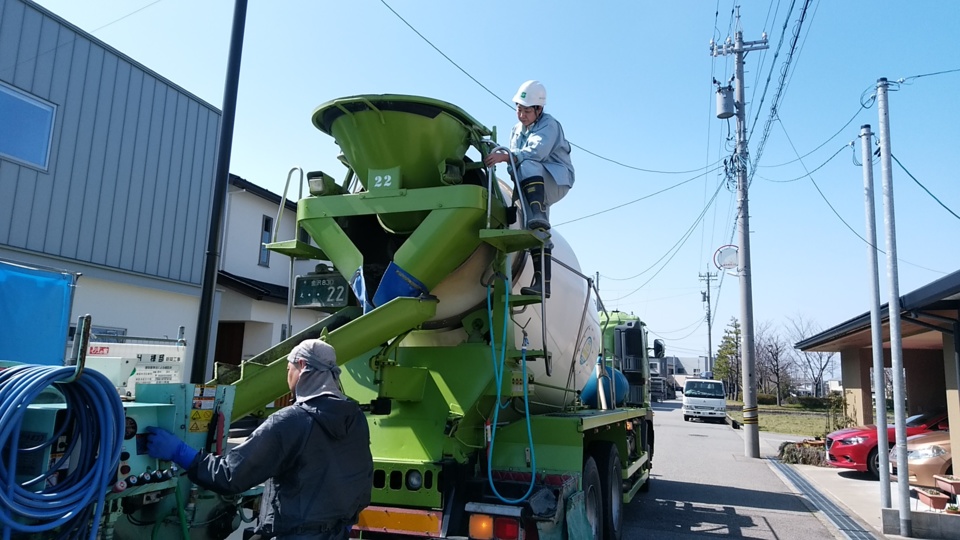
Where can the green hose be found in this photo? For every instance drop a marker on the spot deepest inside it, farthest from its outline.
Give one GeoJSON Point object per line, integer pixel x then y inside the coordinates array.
{"type": "Point", "coordinates": [183, 516]}
{"type": "Point", "coordinates": [156, 527]}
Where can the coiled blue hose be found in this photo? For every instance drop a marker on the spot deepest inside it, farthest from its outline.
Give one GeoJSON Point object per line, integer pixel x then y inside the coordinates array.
{"type": "Point", "coordinates": [94, 426]}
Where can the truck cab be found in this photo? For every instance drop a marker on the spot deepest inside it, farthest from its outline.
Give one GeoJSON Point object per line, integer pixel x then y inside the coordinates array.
{"type": "Point", "coordinates": [704, 399]}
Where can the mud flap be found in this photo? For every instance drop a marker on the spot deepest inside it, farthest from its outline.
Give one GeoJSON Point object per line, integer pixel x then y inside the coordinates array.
{"type": "Point", "coordinates": [576, 518]}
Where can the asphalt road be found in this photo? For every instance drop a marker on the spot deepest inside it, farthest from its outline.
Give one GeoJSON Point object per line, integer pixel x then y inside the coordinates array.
{"type": "Point", "coordinates": [702, 485]}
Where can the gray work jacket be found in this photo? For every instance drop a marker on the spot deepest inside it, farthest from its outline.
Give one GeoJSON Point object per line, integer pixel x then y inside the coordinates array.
{"type": "Point", "coordinates": [544, 142]}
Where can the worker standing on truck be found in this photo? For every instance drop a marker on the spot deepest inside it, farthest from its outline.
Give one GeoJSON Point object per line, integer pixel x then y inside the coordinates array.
{"type": "Point", "coordinates": [316, 451]}
{"type": "Point", "coordinates": [544, 171]}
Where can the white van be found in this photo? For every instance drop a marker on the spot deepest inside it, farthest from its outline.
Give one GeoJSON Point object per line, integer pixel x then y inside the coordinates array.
{"type": "Point", "coordinates": [704, 398]}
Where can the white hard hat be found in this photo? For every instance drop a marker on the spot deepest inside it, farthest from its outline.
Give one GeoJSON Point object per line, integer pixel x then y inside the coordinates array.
{"type": "Point", "coordinates": [530, 94]}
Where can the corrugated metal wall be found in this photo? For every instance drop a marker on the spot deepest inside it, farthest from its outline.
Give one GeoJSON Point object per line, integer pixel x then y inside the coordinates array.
{"type": "Point", "coordinates": [132, 160]}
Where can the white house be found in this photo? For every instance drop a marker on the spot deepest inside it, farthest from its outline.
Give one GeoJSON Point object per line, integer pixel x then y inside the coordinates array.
{"type": "Point", "coordinates": [252, 281]}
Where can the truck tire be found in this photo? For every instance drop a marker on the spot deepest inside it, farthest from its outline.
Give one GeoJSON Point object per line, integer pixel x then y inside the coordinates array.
{"type": "Point", "coordinates": [611, 481]}
{"type": "Point", "coordinates": [593, 498]}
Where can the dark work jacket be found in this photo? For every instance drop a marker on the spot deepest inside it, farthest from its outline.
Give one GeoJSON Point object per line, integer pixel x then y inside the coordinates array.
{"type": "Point", "coordinates": [318, 454]}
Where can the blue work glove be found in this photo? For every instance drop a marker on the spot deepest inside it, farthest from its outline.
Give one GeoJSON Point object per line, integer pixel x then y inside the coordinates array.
{"type": "Point", "coordinates": [164, 445]}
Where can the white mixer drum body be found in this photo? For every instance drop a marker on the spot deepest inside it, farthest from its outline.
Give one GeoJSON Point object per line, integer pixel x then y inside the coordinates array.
{"type": "Point", "coordinates": [573, 327]}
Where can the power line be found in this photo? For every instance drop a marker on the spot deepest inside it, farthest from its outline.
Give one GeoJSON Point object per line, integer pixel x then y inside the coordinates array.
{"type": "Point", "coordinates": [812, 15]}
{"type": "Point", "coordinates": [511, 105]}
{"type": "Point", "coordinates": [829, 159]}
{"type": "Point", "coordinates": [773, 65]}
{"type": "Point", "coordinates": [834, 210]}
{"type": "Point", "coordinates": [443, 54]}
{"type": "Point", "coordinates": [944, 72]}
{"type": "Point", "coordinates": [678, 330]}
{"type": "Point", "coordinates": [692, 332]}
{"type": "Point", "coordinates": [814, 182]}
{"type": "Point", "coordinates": [824, 143]}
{"type": "Point", "coordinates": [636, 200]}
{"type": "Point", "coordinates": [780, 88]}
{"type": "Point", "coordinates": [676, 247]}
{"type": "Point", "coordinates": [76, 36]}
{"type": "Point", "coordinates": [631, 167]}
{"type": "Point", "coordinates": [945, 207]}
{"type": "Point", "coordinates": [134, 12]}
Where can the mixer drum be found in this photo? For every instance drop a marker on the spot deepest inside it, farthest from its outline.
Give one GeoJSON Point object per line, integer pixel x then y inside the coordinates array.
{"type": "Point", "coordinates": [573, 328]}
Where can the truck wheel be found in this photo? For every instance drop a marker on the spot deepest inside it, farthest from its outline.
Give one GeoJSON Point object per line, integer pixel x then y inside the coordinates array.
{"type": "Point", "coordinates": [611, 480]}
{"type": "Point", "coordinates": [593, 498]}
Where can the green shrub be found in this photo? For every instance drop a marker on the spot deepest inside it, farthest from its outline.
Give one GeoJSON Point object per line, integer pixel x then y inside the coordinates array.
{"type": "Point", "coordinates": [766, 399]}
{"type": "Point", "coordinates": [803, 454]}
{"type": "Point", "coordinates": [810, 402]}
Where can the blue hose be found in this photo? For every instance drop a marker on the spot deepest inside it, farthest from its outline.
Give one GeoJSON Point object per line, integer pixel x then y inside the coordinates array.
{"type": "Point", "coordinates": [93, 424]}
{"type": "Point", "coordinates": [498, 372]}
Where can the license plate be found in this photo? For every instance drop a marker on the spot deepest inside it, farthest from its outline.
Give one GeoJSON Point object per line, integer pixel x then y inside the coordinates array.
{"type": "Point", "coordinates": [321, 290]}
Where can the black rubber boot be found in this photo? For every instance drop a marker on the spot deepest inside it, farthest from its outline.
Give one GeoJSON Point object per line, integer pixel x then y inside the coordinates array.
{"type": "Point", "coordinates": [535, 193]}
{"type": "Point", "coordinates": [539, 286]}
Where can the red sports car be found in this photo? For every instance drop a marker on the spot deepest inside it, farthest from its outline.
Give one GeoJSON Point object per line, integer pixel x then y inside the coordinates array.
{"type": "Point", "coordinates": [856, 447]}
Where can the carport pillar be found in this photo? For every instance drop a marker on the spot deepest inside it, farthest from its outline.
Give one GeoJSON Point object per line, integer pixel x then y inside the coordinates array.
{"type": "Point", "coordinates": [855, 374]}
{"type": "Point", "coordinates": [951, 371]}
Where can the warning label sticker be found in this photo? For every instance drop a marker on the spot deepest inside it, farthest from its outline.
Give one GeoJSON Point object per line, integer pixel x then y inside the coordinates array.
{"type": "Point", "coordinates": [199, 426]}
{"type": "Point", "coordinates": [197, 414]}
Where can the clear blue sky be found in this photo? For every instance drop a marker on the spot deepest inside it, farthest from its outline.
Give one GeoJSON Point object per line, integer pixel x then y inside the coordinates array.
{"type": "Point", "coordinates": [632, 82]}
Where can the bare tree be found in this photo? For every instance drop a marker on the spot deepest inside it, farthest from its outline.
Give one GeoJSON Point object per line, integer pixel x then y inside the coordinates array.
{"type": "Point", "coordinates": [812, 364]}
{"type": "Point", "coordinates": [761, 334]}
{"type": "Point", "coordinates": [774, 362]}
{"type": "Point", "coordinates": [780, 364]}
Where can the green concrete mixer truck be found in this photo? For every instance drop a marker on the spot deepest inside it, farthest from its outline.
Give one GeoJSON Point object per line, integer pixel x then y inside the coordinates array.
{"type": "Point", "coordinates": [493, 415]}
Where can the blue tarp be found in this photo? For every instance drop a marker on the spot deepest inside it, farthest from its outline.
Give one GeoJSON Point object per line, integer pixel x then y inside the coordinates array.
{"type": "Point", "coordinates": [35, 309]}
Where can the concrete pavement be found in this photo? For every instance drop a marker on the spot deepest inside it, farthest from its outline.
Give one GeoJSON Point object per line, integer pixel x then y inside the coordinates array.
{"type": "Point", "coordinates": [855, 494]}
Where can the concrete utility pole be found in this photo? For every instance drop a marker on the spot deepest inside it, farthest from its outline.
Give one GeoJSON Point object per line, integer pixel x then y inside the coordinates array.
{"type": "Point", "coordinates": [750, 416]}
{"type": "Point", "coordinates": [876, 327]}
{"type": "Point", "coordinates": [706, 298]}
{"type": "Point", "coordinates": [893, 313]}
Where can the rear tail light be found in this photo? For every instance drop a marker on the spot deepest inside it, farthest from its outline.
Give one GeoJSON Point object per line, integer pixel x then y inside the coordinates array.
{"type": "Point", "coordinates": [486, 527]}
{"type": "Point", "coordinates": [506, 528]}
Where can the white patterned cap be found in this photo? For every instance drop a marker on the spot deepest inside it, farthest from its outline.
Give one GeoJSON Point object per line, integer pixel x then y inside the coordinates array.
{"type": "Point", "coordinates": [317, 353]}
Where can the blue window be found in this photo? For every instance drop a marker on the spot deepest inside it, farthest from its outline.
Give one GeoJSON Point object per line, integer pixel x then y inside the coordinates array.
{"type": "Point", "coordinates": [26, 127]}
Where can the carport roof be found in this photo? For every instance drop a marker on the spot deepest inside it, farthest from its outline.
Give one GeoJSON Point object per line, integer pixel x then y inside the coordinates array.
{"type": "Point", "coordinates": [941, 297]}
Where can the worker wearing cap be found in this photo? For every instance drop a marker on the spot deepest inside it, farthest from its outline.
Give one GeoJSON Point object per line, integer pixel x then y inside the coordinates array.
{"type": "Point", "coordinates": [317, 451]}
{"type": "Point", "coordinates": [543, 170]}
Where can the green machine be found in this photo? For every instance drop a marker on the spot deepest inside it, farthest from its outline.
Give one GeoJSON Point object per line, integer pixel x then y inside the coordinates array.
{"type": "Point", "coordinates": [478, 398]}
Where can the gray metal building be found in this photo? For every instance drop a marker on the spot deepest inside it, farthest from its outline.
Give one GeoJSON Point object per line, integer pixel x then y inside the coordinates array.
{"type": "Point", "coordinates": [125, 181]}
{"type": "Point", "coordinates": [106, 168]}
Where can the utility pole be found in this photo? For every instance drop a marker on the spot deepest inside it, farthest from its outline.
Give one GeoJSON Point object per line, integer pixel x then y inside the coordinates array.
{"type": "Point", "coordinates": [876, 327]}
{"type": "Point", "coordinates": [893, 313]}
{"type": "Point", "coordinates": [705, 296]}
{"type": "Point", "coordinates": [750, 417]}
